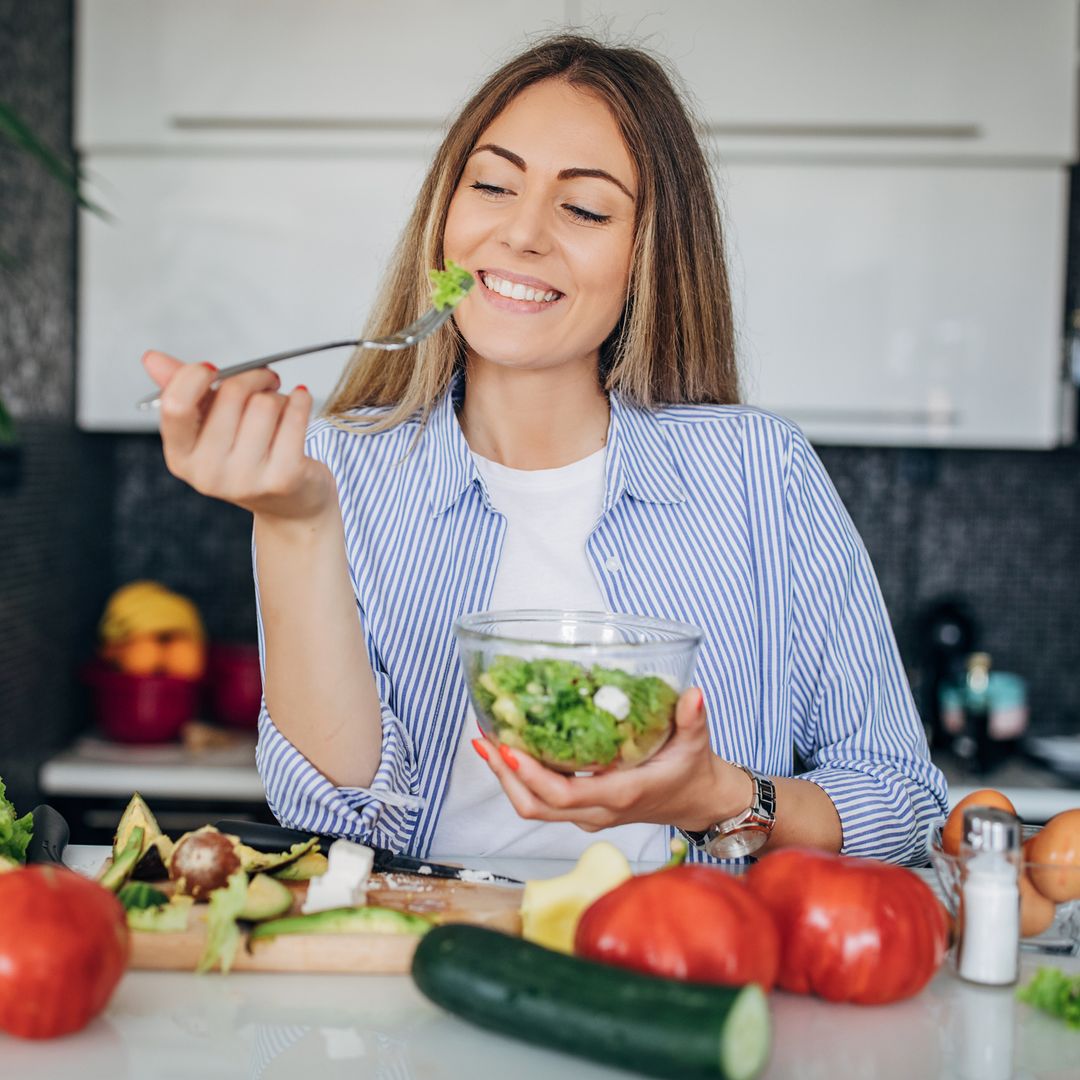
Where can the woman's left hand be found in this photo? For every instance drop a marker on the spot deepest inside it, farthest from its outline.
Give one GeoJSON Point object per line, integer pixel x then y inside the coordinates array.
{"type": "Point", "coordinates": [685, 784]}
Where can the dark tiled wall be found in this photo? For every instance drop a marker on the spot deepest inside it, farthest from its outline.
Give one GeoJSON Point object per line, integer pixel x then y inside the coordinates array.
{"type": "Point", "coordinates": [1001, 529]}
{"type": "Point", "coordinates": [55, 525]}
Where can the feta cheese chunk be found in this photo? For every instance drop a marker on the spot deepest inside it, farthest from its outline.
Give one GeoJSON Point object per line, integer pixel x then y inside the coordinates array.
{"type": "Point", "coordinates": [345, 882]}
{"type": "Point", "coordinates": [611, 699]}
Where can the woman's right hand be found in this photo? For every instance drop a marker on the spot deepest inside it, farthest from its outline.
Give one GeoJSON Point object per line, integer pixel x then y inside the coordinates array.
{"type": "Point", "coordinates": [244, 442]}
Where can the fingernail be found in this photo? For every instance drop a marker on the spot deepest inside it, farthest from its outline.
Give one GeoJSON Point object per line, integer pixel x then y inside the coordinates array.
{"type": "Point", "coordinates": [700, 702]}
{"type": "Point", "coordinates": [508, 757]}
{"type": "Point", "coordinates": [480, 748]}
{"type": "Point", "coordinates": [302, 387]}
{"type": "Point", "coordinates": [209, 366]}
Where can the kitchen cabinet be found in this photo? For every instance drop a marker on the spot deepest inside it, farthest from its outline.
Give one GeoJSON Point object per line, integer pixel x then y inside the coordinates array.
{"type": "Point", "coordinates": [893, 178]}
{"type": "Point", "coordinates": [931, 318]}
{"type": "Point", "coordinates": [890, 78]}
{"type": "Point", "coordinates": [227, 257]}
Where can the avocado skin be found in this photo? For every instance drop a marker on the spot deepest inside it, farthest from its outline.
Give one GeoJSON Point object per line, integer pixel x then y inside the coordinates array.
{"type": "Point", "coordinates": [364, 920]}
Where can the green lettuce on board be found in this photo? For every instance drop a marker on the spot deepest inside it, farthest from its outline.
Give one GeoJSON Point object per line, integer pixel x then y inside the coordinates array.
{"type": "Point", "coordinates": [15, 832]}
{"type": "Point", "coordinates": [449, 286]}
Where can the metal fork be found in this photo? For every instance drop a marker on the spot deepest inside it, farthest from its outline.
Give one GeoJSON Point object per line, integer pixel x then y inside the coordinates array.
{"type": "Point", "coordinates": [409, 335]}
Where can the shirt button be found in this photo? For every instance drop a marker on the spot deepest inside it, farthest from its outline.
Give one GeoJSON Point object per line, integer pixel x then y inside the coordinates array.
{"type": "Point", "coordinates": [613, 564]}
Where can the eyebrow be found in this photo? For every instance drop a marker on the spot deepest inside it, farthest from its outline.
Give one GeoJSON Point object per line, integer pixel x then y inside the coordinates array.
{"type": "Point", "coordinates": [565, 174]}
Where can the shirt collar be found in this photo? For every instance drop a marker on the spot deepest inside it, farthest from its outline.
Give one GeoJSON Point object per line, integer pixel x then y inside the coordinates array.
{"type": "Point", "coordinates": [640, 461]}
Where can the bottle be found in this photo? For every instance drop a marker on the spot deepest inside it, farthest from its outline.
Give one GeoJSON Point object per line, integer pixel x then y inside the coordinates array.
{"type": "Point", "coordinates": [977, 710]}
{"type": "Point", "coordinates": [988, 952]}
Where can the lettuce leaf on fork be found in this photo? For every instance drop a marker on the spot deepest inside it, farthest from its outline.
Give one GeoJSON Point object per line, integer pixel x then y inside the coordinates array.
{"type": "Point", "coordinates": [449, 286]}
{"type": "Point", "coordinates": [15, 832]}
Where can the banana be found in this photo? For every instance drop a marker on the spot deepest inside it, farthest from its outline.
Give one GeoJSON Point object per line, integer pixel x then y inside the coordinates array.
{"type": "Point", "coordinates": [147, 607]}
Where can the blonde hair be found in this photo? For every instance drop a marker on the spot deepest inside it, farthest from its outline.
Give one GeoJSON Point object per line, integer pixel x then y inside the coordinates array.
{"type": "Point", "coordinates": [674, 342]}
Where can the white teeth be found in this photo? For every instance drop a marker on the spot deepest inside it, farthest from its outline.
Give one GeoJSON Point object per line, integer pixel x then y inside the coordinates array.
{"type": "Point", "coordinates": [517, 291]}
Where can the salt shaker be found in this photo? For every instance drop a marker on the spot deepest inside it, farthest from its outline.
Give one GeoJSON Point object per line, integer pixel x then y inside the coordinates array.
{"type": "Point", "coordinates": [990, 863]}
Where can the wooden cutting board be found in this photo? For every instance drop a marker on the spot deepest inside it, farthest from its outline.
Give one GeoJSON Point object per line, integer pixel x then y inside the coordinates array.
{"type": "Point", "coordinates": [385, 954]}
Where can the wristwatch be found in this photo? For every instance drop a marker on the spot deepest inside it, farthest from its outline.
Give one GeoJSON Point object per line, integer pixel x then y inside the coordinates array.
{"type": "Point", "coordinates": [746, 832]}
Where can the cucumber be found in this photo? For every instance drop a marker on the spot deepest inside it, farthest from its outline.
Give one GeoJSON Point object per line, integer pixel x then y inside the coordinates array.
{"type": "Point", "coordinates": [659, 1027]}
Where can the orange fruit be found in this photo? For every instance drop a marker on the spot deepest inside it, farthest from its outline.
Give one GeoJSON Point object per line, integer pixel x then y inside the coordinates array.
{"type": "Point", "coordinates": [952, 834]}
{"type": "Point", "coordinates": [1055, 848]}
{"type": "Point", "coordinates": [140, 655]}
{"type": "Point", "coordinates": [184, 657]}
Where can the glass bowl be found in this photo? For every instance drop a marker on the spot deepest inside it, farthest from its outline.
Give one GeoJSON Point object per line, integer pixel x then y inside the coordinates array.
{"type": "Point", "coordinates": [1062, 937]}
{"type": "Point", "coordinates": [581, 691]}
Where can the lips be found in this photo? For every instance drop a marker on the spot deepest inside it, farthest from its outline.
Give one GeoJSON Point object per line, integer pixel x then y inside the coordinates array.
{"type": "Point", "coordinates": [493, 288]}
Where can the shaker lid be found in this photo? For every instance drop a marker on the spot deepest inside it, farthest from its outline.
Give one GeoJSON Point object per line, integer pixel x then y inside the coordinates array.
{"type": "Point", "coordinates": [990, 829]}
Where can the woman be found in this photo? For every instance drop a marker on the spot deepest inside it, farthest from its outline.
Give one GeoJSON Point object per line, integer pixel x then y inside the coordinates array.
{"type": "Point", "coordinates": [572, 439]}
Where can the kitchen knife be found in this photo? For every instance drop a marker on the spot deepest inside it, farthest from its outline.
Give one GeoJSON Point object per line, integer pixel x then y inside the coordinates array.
{"type": "Point", "coordinates": [273, 838]}
{"type": "Point", "coordinates": [49, 838]}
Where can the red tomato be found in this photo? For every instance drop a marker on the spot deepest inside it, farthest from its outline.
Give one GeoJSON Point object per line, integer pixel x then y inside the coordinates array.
{"type": "Point", "coordinates": [850, 929]}
{"type": "Point", "coordinates": [689, 922]}
{"type": "Point", "coordinates": [63, 949]}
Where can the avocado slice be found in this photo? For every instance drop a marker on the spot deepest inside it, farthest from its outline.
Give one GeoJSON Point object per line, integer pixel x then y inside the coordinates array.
{"type": "Point", "coordinates": [120, 870]}
{"type": "Point", "coordinates": [136, 815]}
{"type": "Point", "coordinates": [312, 865]}
{"type": "Point", "coordinates": [261, 862]}
{"type": "Point", "coordinates": [266, 899]}
{"type": "Point", "coordinates": [361, 920]}
{"type": "Point", "coordinates": [166, 918]}
{"type": "Point", "coordinates": [153, 864]}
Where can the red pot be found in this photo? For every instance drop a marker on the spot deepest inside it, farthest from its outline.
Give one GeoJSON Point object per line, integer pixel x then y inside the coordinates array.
{"type": "Point", "coordinates": [235, 684]}
{"type": "Point", "coordinates": [140, 708]}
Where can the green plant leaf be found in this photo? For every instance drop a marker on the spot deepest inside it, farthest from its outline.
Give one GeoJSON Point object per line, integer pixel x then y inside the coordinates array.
{"type": "Point", "coordinates": [18, 132]}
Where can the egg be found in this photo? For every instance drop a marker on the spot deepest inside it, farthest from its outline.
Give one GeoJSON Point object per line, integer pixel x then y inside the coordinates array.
{"type": "Point", "coordinates": [952, 834]}
{"type": "Point", "coordinates": [1054, 852]}
{"type": "Point", "coordinates": [1036, 912]}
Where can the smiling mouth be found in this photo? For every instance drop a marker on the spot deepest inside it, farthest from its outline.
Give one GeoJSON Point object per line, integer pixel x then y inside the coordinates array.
{"type": "Point", "coordinates": [511, 290]}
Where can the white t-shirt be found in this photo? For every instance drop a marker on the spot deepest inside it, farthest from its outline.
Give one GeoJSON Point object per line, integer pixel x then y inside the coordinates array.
{"type": "Point", "coordinates": [549, 515]}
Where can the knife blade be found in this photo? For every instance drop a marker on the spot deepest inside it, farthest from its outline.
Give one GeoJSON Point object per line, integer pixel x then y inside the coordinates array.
{"type": "Point", "coordinates": [49, 838]}
{"type": "Point", "coordinates": [274, 838]}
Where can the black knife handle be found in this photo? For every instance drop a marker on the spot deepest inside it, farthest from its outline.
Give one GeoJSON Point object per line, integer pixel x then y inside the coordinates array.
{"type": "Point", "coordinates": [269, 838]}
{"type": "Point", "coordinates": [50, 836]}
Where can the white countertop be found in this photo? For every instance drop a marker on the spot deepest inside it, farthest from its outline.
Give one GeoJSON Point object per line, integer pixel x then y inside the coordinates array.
{"type": "Point", "coordinates": [259, 1027]}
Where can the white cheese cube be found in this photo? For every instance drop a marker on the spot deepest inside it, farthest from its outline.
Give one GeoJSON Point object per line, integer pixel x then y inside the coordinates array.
{"type": "Point", "coordinates": [345, 882]}
{"type": "Point", "coordinates": [612, 700]}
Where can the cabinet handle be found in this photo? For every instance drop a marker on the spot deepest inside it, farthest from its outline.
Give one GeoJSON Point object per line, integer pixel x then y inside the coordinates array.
{"type": "Point", "coordinates": [850, 131]}
{"type": "Point", "coordinates": [907, 417]}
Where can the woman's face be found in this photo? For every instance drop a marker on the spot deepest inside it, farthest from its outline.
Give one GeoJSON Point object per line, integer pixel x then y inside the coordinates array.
{"type": "Point", "coordinates": [546, 203]}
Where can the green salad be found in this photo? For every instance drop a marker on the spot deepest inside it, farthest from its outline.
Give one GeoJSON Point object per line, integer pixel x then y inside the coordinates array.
{"type": "Point", "coordinates": [573, 717]}
{"type": "Point", "coordinates": [449, 286]}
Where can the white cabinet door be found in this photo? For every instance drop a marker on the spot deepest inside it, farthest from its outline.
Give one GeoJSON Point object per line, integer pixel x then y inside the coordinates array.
{"type": "Point", "coordinates": [228, 258]}
{"type": "Point", "coordinates": [954, 77]}
{"type": "Point", "coordinates": [152, 72]}
{"type": "Point", "coordinates": [911, 306]}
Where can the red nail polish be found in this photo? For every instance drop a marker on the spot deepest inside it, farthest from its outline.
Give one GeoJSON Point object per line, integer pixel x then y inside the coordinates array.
{"type": "Point", "coordinates": [209, 366]}
{"type": "Point", "coordinates": [508, 757]}
{"type": "Point", "coordinates": [700, 701]}
{"type": "Point", "coordinates": [480, 748]}
{"type": "Point", "coordinates": [302, 387]}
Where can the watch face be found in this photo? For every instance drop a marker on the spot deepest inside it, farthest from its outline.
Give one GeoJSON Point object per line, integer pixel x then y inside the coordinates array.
{"type": "Point", "coordinates": [735, 845]}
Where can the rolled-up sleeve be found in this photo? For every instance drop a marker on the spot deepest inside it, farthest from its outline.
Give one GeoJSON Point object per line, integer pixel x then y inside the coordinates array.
{"type": "Point", "coordinates": [854, 718]}
{"type": "Point", "coordinates": [302, 797]}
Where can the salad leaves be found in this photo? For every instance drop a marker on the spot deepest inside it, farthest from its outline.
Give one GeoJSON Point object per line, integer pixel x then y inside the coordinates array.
{"type": "Point", "coordinates": [15, 832]}
{"type": "Point", "coordinates": [549, 708]}
{"type": "Point", "coordinates": [1055, 993]}
{"type": "Point", "coordinates": [449, 286]}
{"type": "Point", "coordinates": [222, 933]}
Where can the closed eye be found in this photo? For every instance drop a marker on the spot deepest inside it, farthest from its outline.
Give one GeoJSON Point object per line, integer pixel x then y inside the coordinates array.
{"type": "Point", "coordinates": [587, 215]}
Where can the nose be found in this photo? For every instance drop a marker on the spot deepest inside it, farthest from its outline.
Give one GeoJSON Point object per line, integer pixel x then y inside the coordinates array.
{"type": "Point", "coordinates": [525, 228]}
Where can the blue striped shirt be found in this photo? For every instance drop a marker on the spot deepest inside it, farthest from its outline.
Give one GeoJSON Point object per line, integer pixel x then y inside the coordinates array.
{"type": "Point", "coordinates": [721, 516]}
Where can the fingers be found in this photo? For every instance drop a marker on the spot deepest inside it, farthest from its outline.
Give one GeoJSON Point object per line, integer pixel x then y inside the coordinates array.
{"type": "Point", "coordinates": [690, 711]}
{"type": "Point", "coordinates": [530, 786]}
{"type": "Point", "coordinates": [181, 416]}
{"type": "Point", "coordinates": [288, 446]}
{"type": "Point", "coordinates": [231, 400]}
{"type": "Point", "coordinates": [160, 366]}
